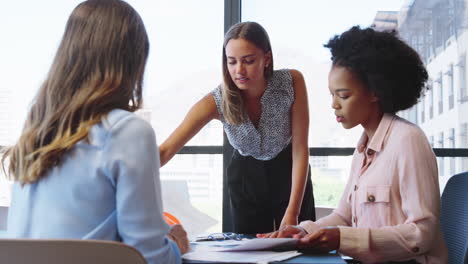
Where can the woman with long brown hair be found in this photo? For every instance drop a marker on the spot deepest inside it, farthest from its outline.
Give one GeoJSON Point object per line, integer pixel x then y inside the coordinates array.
{"type": "Point", "coordinates": [266, 119]}
{"type": "Point", "coordinates": [78, 165]}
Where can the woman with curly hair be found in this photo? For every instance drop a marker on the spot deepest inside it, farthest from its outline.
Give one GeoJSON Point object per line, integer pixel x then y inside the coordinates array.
{"type": "Point", "coordinates": [389, 210]}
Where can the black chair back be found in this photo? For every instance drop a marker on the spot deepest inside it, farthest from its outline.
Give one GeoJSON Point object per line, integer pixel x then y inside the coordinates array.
{"type": "Point", "coordinates": [454, 218]}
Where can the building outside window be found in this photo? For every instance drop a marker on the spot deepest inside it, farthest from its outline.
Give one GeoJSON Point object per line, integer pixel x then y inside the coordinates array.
{"type": "Point", "coordinates": [444, 24]}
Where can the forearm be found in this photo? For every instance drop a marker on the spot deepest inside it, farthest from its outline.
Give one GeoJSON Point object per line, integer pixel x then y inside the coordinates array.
{"type": "Point", "coordinates": [164, 155]}
{"type": "Point", "coordinates": [179, 138]}
{"type": "Point", "coordinates": [168, 150]}
{"type": "Point", "coordinates": [199, 115]}
{"type": "Point", "coordinates": [388, 243]}
{"type": "Point", "coordinates": [299, 177]}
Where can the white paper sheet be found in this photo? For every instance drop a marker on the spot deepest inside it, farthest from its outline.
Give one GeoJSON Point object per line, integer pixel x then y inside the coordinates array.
{"type": "Point", "coordinates": [240, 257]}
{"type": "Point", "coordinates": [222, 243]}
{"type": "Point", "coordinates": [264, 244]}
{"type": "Point", "coordinates": [244, 251]}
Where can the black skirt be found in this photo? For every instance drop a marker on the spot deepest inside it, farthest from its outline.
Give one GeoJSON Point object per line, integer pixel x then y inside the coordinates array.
{"type": "Point", "coordinates": [259, 191]}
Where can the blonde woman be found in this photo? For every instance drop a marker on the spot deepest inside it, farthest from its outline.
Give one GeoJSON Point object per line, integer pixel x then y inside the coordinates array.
{"type": "Point", "coordinates": [78, 165]}
{"type": "Point", "coordinates": [265, 116]}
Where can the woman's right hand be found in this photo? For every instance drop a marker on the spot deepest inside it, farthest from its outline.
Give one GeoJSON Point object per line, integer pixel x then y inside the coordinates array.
{"type": "Point", "coordinates": [286, 231]}
{"type": "Point", "coordinates": [199, 115]}
{"type": "Point", "coordinates": [179, 236]}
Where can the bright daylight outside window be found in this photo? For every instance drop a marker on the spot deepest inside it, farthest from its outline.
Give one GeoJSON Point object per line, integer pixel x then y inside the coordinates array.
{"type": "Point", "coordinates": [31, 33]}
{"type": "Point", "coordinates": [185, 64]}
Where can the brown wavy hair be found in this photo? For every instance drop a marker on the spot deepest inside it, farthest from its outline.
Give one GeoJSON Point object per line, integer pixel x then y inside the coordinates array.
{"type": "Point", "coordinates": [98, 67]}
{"type": "Point", "coordinates": [232, 104]}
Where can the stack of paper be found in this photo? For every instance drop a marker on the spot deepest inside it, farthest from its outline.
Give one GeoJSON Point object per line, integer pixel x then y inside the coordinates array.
{"type": "Point", "coordinates": [255, 250]}
{"type": "Point", "coordinates": [277, 244]}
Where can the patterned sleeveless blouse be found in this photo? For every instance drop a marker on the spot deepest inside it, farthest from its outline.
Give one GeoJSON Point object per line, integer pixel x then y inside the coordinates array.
{"type": "Point", "coordinates": [273, 133]}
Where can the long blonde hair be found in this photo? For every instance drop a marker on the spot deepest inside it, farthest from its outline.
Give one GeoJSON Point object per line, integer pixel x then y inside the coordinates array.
{"type": "Point", "coordinates": [98, 67]}
{"type": "Point", "coordinates": [232, 104]}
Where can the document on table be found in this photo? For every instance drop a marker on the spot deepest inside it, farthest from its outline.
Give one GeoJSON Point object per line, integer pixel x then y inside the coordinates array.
{"type": "Point", "coordinates": [264, 244]}
{"type": "Point", "coordinates": [240, 257]}
{"type": "Point", "coordinates": [245, 251]}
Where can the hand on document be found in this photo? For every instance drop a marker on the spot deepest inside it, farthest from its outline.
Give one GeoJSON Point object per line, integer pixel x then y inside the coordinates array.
{"type": "Point", "coordinates": [286, 231]}
{"type": "Point", "coordinates": [323, 240]}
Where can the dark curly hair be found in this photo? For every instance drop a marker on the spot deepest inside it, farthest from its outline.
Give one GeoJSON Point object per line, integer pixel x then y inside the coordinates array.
{"type": "Point", "coordinates": [384, 63]}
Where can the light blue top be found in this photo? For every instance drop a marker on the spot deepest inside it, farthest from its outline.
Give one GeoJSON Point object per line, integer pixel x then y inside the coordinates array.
{"type": "Point", "coordinates": [107, 189]}
{"type": "Point", "coordinates": [273, 133]}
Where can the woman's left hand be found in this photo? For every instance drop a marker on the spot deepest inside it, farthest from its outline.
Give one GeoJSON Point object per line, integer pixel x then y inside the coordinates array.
{"type": "Point", "coordinates": [285, 231]}
{"type": "Point", "coordinates": [288, 219]}
{"type": "Point", "coordinates": [322, 241]}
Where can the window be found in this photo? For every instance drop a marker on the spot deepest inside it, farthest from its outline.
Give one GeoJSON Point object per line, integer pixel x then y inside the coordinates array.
{"type": "Point", "coordinates": [19, 60]}
{"type": "Point", "coordinates": [462, 78]}
{"type": "Point", "coordinates": [449, 9]}
{"type": "Point", "coordinates": [184, 65]}
{"type": "Point", "coordinates": [463, 143]}
{"type": "Point", "coordinates": [431, 100]}
{"type": "Point", "coordinates": [422, 107]}
{"type": "Point", "coordinates": [440, 96]}
{"type": "Point", "coordinates": [411, 114]}
{"type": "Point", "coordinates": [451, 99]}
{"type": "Point", "coordinates": [441, 160]}
{"type": "Point", "coordinates": [463, 139]}
{"type": "Point", "coordinates": [443, 23]}
{"type": "Point", "coordinates": [451, 142]}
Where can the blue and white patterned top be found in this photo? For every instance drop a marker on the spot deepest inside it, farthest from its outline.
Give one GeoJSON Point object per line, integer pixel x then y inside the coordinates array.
{"type": "Point", "coordinates": [273, 133]}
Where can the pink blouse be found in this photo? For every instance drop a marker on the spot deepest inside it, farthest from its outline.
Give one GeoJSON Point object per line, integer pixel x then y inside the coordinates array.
{"type": "Point", "coordinates": [390, 207]}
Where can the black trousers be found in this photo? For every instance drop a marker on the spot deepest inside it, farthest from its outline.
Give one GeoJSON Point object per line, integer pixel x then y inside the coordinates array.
{"type": "Point", "coordinates": [259, 192]}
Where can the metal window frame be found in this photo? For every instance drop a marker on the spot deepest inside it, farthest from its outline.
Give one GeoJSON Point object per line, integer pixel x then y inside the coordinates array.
{"type": "Point", "coordinates": [316, 151]}
{"type": "Point", "coordinates": [232, 15]}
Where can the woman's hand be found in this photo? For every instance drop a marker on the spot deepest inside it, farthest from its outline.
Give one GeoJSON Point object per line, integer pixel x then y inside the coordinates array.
{"type": "Point", "coordinates": [289, 219]}
{"type": "Point", "coordinates": [179, 235]}
{"type": "Point", "coordinates": [286, 231]}
{"type": "Point", "coordinates": [322, 241]}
